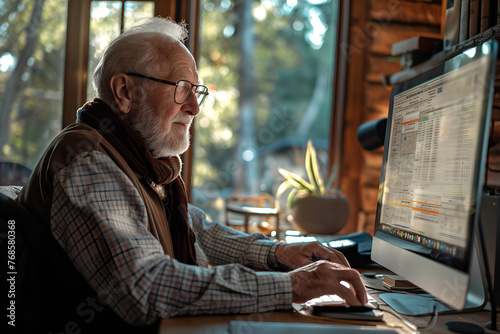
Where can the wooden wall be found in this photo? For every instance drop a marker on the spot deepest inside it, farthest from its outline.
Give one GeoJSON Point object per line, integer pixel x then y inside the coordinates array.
{"type": "Point", "coordinates": [375, 25]}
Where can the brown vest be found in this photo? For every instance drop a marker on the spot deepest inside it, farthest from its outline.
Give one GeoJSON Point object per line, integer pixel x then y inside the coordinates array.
{"type": "Point", "coordinates": [78, 138]}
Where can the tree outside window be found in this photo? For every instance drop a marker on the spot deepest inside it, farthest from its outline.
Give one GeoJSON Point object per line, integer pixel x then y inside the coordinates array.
{"type": "Point", "coordinates": [269, 66]}
{"type": "Point", "coordinates": [32, 57]}
{"type": "Point", "coordinates": [32, 50]}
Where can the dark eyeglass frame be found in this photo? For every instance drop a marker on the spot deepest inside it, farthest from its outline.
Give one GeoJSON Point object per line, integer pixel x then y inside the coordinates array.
{"type": "Point", "coordinates": [203, 93]}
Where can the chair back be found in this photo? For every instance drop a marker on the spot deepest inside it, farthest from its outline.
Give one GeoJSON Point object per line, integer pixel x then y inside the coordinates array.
{"type": "Point", "coordinates": [260, 205]}
{"type": "Point", "coordinates": [25, 292]}
{"type": "Point", "coordinates": [12, 173]}
{"type": "Point", "coordinates": [50, 294]}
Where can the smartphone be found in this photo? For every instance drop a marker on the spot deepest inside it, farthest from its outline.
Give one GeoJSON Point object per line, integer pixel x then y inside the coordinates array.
{"type": "Point", "coordinates": [342, 308]}
{"type": "Point", "coordinates": [348, 312]}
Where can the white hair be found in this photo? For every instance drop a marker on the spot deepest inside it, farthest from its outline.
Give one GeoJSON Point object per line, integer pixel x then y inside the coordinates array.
{"type": "Point", "coordinates": [137, 49]}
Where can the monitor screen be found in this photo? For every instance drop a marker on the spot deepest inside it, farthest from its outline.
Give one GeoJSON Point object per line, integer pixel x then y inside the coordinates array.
{"type": "Point", "coordinates": [432, 172]}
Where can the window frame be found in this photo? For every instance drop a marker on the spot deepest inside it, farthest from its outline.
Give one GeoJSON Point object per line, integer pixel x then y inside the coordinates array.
{"type": "Point", "coordinates": [335, 143]}
{"type": "Point", "coordinates": [77, 49]}
{"type": "Point", "coordinates": [76, 67]}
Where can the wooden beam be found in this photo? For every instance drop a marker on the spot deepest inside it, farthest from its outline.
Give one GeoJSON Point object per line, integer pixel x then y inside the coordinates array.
{"type": "Point", "coordinates": [383, 36]}
{"type": "Point", "coordinates": [77, 50]}
{"type": "Point", "coordinates": [339, 94]}
{"type": "Point", "coordinates": [379, 66]}
{"type": "Point", "coordinates": [408, 12]}
{"type": "Point", "coordinates": [165, 8]}
{"type": "Point", "coordinates": [352, 159]}
{"type": "Point", "coordinates": [188, 11]}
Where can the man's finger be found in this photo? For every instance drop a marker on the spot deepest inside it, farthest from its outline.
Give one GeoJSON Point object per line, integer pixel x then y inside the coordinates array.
{"type": "Point", "coordinates": [357, 290]}
{"type": "Point", "coordinates": [348, 295]}
{"type": "Point", "coordinates": [332, 255]}
{"type": "Point", "coordinates": [360, 290]}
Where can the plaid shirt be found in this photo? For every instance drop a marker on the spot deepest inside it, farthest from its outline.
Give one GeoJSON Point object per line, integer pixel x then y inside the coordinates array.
{"type": "Point", "coordinates": [98, 217]}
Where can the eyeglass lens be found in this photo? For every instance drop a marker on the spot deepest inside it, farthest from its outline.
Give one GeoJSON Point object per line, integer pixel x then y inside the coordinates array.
{"type": "Point", "coordinates": [183, 90]}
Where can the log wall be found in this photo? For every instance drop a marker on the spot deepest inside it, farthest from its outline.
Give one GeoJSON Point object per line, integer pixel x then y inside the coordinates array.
{"type": "Point", "coordinates": [375, 26]}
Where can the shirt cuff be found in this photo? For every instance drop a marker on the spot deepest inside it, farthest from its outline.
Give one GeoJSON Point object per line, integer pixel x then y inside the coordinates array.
{"type": "Point", "coordinates": [275, 291]}
{"type": "Point", "coordinates": [262, 255]}
{"type": "Point", "coordinates": [271, 258]}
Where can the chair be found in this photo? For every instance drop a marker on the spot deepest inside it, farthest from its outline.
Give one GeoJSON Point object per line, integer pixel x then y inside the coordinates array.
{"type": "Point", "coordinates": [24, 235]}
{"type": "Point", "coordinates": [14, 174]}
{"type": "Point", "coordinates": [261, 205]}
{"type": "Point", "coordinates": [49, 291]}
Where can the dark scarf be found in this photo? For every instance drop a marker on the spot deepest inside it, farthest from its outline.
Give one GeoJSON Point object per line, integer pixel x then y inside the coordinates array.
{"type": "Point", "coordinates": [164, 171]}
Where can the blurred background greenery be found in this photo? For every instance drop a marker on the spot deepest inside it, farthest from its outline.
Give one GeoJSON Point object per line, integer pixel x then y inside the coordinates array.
{"type": "Point", "coordinates": [269, 66]}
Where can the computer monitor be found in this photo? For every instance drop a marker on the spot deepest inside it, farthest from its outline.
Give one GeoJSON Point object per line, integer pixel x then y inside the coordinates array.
{"type": "Point", "coordinates": [431, 179]}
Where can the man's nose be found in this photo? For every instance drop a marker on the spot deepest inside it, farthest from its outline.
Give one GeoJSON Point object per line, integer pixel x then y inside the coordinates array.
{"type": "Point", "coordinates": [191, 104]}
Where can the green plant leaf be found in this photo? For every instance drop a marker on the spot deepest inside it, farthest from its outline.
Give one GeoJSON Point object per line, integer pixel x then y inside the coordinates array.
{"type": "Point", "coordinates": [295, 195]}
{"type": "Point", "coordinates": [296, 180]}
{"type": "Point", "coordinates": [291, 198]}
{"type": "Point", "coordinates": [281, 189]}
{"type": "Point", "coordinates": [333, 176]}
{"type": "Point", "coordinates": [312, 170]}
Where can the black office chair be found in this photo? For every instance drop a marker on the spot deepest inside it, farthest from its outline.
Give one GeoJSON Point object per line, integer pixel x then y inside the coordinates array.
{"type": "Point", "coordinates": [12, 173]}
{"type": "Point", "coordinates": [24, 289]}
{"type": "Point", "coordinates": [50, 294]}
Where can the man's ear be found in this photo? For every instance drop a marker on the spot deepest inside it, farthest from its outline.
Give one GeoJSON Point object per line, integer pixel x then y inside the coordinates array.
{"type": "Point", "coordinates": [122, 91]}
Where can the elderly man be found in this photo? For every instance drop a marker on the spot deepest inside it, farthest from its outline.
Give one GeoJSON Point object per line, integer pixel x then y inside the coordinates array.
{"type": "Point", "coordinates": [109, 188]}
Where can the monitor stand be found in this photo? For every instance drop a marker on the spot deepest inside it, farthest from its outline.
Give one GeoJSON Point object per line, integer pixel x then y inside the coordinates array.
{"type": "Point", "coordinates": [418, 305]}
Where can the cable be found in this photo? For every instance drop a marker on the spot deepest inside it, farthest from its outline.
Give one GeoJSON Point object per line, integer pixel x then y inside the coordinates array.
{"type": "Point", "coordinates": [430, 324]}
{"type": "Point", "coordinates": [433, 321]}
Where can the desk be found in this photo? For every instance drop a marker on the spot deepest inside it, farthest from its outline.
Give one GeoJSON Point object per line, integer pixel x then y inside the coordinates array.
{"type": "Point", "coordinates": [216, 324]}
{"type": "Point", "coordinates": [220, 323]}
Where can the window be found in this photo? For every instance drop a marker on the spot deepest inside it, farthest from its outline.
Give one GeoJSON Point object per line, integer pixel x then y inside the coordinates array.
{"type": "Point", "coordinates": [32, 63]}
{"type": "Point", "coordinates": [106, 22]}
{"type": "Point", "coordinates": [32, 52]}
{"type": "Point", "coordinates": [269, 66]}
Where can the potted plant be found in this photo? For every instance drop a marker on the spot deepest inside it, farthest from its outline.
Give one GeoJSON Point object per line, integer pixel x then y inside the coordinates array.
{"type": "Point", "coordinates": [316, 208]}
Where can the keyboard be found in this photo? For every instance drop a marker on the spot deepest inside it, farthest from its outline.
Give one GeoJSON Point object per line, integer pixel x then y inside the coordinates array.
{"type": "Point", "coordinates": [338, 301]}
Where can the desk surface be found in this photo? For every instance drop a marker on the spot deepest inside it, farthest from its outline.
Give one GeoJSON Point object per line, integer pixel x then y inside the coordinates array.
{"type": "Point", "coordinates": [216, 324]}
{"type": "Point", "coordinates": [220, 323]}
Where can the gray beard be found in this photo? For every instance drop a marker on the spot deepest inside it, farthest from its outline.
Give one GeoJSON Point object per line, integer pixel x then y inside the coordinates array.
{"type": "Point", "coordinates": [161, 143]}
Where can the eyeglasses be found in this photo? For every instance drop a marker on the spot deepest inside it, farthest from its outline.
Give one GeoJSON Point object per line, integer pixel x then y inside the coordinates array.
{"type": "Point", "coordinates": [183, 89]}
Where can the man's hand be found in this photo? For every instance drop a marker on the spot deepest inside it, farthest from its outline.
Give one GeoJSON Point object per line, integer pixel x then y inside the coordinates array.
{"type": "Point", "coordinates": [300, 254]}
{"type": "Point", "coordinates": [327, 278]}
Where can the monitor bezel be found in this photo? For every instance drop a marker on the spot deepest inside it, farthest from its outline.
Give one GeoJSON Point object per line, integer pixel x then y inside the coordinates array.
{"type": "Point", "coordinates": [450, 281]}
